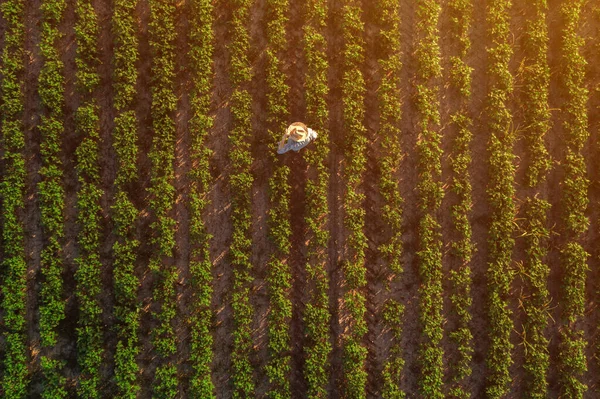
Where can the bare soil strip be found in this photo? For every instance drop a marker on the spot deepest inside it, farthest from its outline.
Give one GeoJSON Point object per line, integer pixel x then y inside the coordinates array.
{"type": "Point", "coordinates": [406, 292]}
{"type": "Point", "coordinates": [296, 72]}
{"type": "Point", "coordinates": [218, 220]}
{"type": "Point", "coordinates": [376, 294]}
{"type": "Point", "coordinates": [32, 227]}
{"type": "Point", "coordinates": [182, 189]}
{"type": "Point", "coordinates": [336, 247]}
{"type": "Point", "coordinates": [555, 147]}
{"type": "Point", "coordinates": [261, 170]}
{"type": "Point", "coordinates": [480, 215]}
{"type": "Point", "coordinates": [108, 169]}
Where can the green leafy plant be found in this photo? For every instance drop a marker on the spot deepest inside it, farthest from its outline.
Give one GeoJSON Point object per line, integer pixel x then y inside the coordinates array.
{"type": "Point", "coordinates": [430, 193]}
{"type": "Point", "coordinates": [200, 60]}
{"type": "Point", "coordinates": [461, 15]}
{"type": "Point", "coordinates": [536, 271]}
{"type": "Point", "coordinates": [51, 89]}
{"type": "Point", "coordinates": [501, 192]}
{"type": "Point", "coordinates": [572, 360]}
{"type": "Point", "coordinates": [87, 126]}
{"type": "Point", "coordinates": [353, 98]}
{"type": "Point", "coordinates": [316, 314]}
{"type": "Point", "coordinates": [241, 185]}
{"type": "Point", "coordinates": [390, 99]}
{"type": "Point", "coordinates": [15, 377]}
{"type": "Point", "coordinates": [162, 37]}
{"type": "Point", "coordinates": [124, 212]}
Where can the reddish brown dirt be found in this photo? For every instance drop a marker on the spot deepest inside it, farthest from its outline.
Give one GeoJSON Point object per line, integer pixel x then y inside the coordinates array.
{"type": "Point", "coordinates": [108, 170]}
{"type": "Point", "coordinates": [296, 69]}
{"type": "Point", "coordinates": [337, 187]}
{"type": "Point", "coordinates": [182, 184]}
{"type": "Point", "coordinates": [406, 291]}
{"type": "Point", "coordinates": [261, 170]}
{"type": "Point", "coordinates": [33, 230]}
{"type": "Point", "coordinates": [555, 146]}
{"type": "Point", "coordinates": [143, 104]}
{"type": "Point", "coordinates": [376, 292]}
{"type": "Point", "coordinates": [219, 215]}
{"type": "Point", "coordinates": [477, 59]}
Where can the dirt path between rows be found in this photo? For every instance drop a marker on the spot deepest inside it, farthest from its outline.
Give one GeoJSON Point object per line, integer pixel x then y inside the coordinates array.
{"type": "Point", "coordinates": [183, 86]}
{"type": "Point", "coordinates": [34, 237]}
{"type": "Point", "coordinates": [295, 67]}
{"type": "Point", "coordinates": [261, 170]}
{"type": "Point", "coordinates": [480, 214]}
{"type": "Point", "coordinates": [142, 110]}
{"type": "Point", "coordinates": [376, 293]}
{"type": "Point", "coordinates": [335, 197]}
{"type": "Point", "coordinates": [218, 218]}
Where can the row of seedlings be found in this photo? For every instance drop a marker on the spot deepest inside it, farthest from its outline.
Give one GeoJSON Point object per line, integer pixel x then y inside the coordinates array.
{"type": "Point", "coordinates": [15, 376]}
{"type": "Point", "coordinates": [572, 361]}
{"type": "Point", "coordinates": [124, 213]}
{"type": "Point", "coordinates": [51, 90]}
{"type": "Point", "coordinates": [87, 126]}
{"type": "Point", "coordinates": [353, 94]}
{"type": "Point", "coordinates": [241, 180]}
{"type": "Point", "coordinates": [501, 192]}
{"type": "Point", "coordinates": [279, 276]}
{"type": "Point", "coordinates": [430, 193]}
{"type": "Point", "coordinates": [390, 99]}
{"type": "Point", "coordinates": [536, 77]}
{"type": "Point", "coordinates": [162, 193]}
{"type": "Point", "coordinates": [461, 12]}
{"type": "Point", "coordinates": [317, 315]}
{"type": "Point", "coordinates": [200, 60]}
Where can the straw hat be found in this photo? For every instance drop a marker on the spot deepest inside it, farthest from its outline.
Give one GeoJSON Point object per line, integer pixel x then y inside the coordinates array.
{"type": "Point", "coordinates": [297, 131]}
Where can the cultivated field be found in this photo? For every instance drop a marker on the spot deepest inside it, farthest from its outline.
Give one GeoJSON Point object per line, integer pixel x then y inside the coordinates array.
{"type": "Point", "coordinates": [439, 239]}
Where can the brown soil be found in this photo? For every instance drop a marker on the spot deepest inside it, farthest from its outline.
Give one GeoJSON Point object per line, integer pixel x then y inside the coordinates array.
{"type": "Point", "coordinates": [219, 215]}
{"type": "Point", "coordinates": [182, 168]}
{"type": "Point", "coordinates": [34, 240]}
{"type": "Point", "coordinates": [296, 67]}
{"type": "Point", "coordinates": [480, 216]}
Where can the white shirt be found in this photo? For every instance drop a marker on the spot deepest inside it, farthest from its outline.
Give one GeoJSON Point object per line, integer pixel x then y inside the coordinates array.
{"type": "Point", "coordinates": [298, 145]}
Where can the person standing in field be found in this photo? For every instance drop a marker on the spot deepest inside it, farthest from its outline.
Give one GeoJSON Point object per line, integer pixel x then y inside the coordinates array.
{"type": "Point", "coordinates": [296, 137]}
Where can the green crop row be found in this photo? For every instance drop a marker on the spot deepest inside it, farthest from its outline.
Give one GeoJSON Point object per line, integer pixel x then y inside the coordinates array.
{"type": "Point", "coordinates": [390, 100]}
{"type": "Point", "coordinates": [501, 192]}
{"type": "Point", "coordinates": [125, 214]}
{"type": "Point", "coordinates": [316, 314]}
{"type": "Point", "coordinates": [87, 126]}
{"type": "Point", "coordinates": [200, 60]}
{"type": "Point", "coordinates": [279, 276]}
{"type": "Point", "coordinates": [572, 361]}
{"type": "Point", "coordinates": [461, 12]}
{"type": "Point", "coordinates": [430, 197]}
{"type": "Point", "coordinates": [536, 76]}
{"type": "Point", "coordinates": [15, 376]}
{"type": "Point", "coordinates": [241, 186]}
{"type": "Point", "coordinates": [52, 196]}
{"type": "Point", "coordinates": [353, 98]}
{"type": "Point", "coordinates": [162, 192]}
